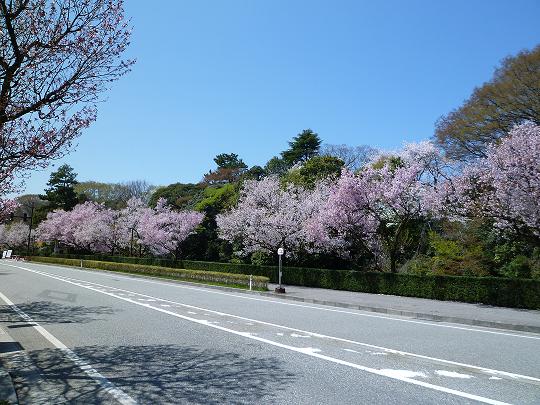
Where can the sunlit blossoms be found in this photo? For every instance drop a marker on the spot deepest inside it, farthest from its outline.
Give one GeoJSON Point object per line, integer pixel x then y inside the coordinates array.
{"type": "Point", "coordinates": [373, 209]}
{"type": "Point", "coordinates": [269, 216]}
{"type": "Point", "coordinates": [163, 230]}
{"type": "Point", "coordinates": [14, 235]}
{"type": "Point", "coordinates": [504, 186]}
{"type": "Point", "coordinates": [93, 227]}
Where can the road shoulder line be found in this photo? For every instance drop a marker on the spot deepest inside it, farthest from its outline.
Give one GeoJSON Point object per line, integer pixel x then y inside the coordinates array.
{"type": "Point", "coordinates": [109, 387]}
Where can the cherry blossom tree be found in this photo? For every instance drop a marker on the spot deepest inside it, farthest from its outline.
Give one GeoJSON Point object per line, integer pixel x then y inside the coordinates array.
{"type": "Point", "coordinates": [130, 220]}
{"type": "Point", "coordinates": [163, 230]}
{"type": "Point", "coordinates": [375, 209]}
{"type": "Point", "coordinates": [14, 235]}
{"type": "Point", "coordinates": [269, 216]}
{"type": "Point", "coordinates": [503, 187]}
{"type": "Point", "coordinates": [89, 226]}
{"type": "Point", "coordinates": [56, 59]}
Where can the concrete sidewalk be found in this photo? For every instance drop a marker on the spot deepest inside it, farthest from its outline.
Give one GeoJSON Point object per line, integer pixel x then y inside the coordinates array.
{"type": "Point", "coordinates": [442, 311]}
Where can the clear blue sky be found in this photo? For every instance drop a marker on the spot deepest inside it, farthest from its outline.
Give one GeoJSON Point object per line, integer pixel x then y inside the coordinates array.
{"type": "Point", "coordinates": [246, 76]}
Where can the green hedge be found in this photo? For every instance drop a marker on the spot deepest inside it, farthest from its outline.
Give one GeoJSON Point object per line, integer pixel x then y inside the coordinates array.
{"type": "Point", "coordinates": [258, 282]}
{"type": "Point", "coordinates": [506, 292]}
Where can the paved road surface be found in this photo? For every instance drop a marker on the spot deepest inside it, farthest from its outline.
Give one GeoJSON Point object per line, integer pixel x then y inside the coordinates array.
{"type": "Point", "coordinates": [92, 337]}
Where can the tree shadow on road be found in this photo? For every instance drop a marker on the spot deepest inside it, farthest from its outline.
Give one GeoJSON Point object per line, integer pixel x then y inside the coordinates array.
{"type": "Point", "coordinates": [165, 374]}
{"type": "Point", "coordinates": [52, 312]}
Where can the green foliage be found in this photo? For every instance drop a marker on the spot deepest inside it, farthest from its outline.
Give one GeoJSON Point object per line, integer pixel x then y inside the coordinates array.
{"type": "Point", "coordinates": [518, 267]}
{"type": "Point", "coordinates": [304, 146]}
{"type": "Point", "coordinates": [276, 166]}
{"type": "Point", "coordinates": [229, 169]}
{"type": "Point", "coordinates": [452, 257]}
{"type": "Point", "coordinates": [393, 162]}
{"type": "Point", "coordinates": [61, 192]}
{"type": "Point", "coordinates": [180, 274]}
{"type": "Point", "coordinates": [179, 195]}
{"type": "Point", "coordinates": [254, 173]}
{"type": "Point", "coordinates": [315, 169]}
{"type": "Point", "coordinates": [218, 199]}
{"type": "Point", "coordinates": [229, 161]}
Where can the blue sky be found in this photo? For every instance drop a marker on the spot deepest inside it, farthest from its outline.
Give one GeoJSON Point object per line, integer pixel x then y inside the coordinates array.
{"type": "Point", "coordinates": [246, 76]}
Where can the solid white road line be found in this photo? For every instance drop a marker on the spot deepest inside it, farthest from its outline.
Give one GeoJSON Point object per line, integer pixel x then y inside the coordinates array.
{"type": "Point", "coordinates": [281, 302]}
{"type": "Point", "coordinates": [100, 288]}
{"type": "Point", "coordinates": [107, 386]}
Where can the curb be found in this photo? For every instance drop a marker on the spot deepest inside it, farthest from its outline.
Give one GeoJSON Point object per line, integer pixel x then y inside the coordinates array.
{"type": "Point", "coordinates": [368, 308]}
{"type": "Point", "coordinates": [7, 389]}
{"type": "Point", "coordinates": [412, 314]}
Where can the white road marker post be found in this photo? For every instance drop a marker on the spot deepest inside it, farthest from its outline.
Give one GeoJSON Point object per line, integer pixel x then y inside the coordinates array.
{"type": "Point", "coordinates": [250, 282]}
{"type": "Point", "coordinates": [280, 289]}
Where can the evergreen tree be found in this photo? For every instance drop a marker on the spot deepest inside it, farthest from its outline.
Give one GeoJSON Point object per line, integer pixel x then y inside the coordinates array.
{"type": "Point", "coordinates": [61, 192]}
{"type": "Point", "coordinates": [303, 147]}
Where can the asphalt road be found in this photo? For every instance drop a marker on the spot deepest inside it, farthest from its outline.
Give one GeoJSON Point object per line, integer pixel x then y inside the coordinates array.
{"type": "Point", "coordinates": [97, 337]}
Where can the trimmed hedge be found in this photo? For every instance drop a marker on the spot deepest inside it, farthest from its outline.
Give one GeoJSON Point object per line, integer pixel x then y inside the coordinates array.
{"type": "Point", "coordinates": [498, 291]}
{"type": "Point", "coordinates": [181, 274]}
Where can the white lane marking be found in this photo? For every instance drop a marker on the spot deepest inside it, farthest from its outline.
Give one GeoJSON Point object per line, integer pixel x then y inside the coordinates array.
{"type": "Point", "coordinates": [107, 386]}
{"type": "Point", "coordinates": [404, 373]}
{"type": "Point", "coordinates": [308, 351]}
{"type": "Point", "coordinates": [315, 334]}
{"type": "Point", "coordinates": [453, 374]}
{"type": "Point", "coordinates": [281, 302]}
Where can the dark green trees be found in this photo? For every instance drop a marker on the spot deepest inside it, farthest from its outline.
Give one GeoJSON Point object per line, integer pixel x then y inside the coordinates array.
{"type": "Point", "coordinates": [303, 147]}
{"type": "Point", "coordinates": [60, 192]}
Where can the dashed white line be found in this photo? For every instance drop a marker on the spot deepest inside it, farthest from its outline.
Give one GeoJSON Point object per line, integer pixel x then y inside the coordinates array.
{"type": "Point", "coordinates": [306, 351]}
{"type": "Point", "coordinates": [320, 308]}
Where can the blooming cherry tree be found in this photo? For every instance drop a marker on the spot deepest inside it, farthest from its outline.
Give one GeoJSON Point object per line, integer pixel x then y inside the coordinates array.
{"type": "Point", "coordinates": [503, 187]}
{"type": "Point", "coordinates": [163, 230]}
{"type": "Point", "coordinates": [269, 216]}
{"type": "Point", "coordinates": [375, 208]}
{"type": "Point", "coordinates": [14, 235]}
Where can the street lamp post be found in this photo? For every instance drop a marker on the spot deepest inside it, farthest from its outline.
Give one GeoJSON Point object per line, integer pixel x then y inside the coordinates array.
{"type": "Point", "coordinates": [280, 289]}
{"type": "Point", "coordinates": [133, 230]}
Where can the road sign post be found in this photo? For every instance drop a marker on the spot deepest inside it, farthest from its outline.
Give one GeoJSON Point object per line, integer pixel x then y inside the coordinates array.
{"type": "Point", "coordinates": [280, 289]}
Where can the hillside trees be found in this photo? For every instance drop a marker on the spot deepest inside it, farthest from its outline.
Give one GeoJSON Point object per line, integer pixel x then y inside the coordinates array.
{"type": "Point", "coordinates": [511, 97]}
{"type": "Point", "coordinates": [229, 169]}
{"type": "Point", "coordinates": [60, 192]}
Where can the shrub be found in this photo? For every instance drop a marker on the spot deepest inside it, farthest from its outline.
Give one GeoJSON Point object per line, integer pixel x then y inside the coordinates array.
{"type": "Point", "coordinates": [182, 274]}
{"type": "Point", "coordinates": [519, 267]}
{"type": "Point", "coordinates": [517, 292]}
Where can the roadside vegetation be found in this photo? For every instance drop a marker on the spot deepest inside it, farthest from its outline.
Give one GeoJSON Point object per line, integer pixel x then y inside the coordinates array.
{"type": "Point", "coordinates": [462, 204]}
{"type": "Point", "coordinates": [205, 277]}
